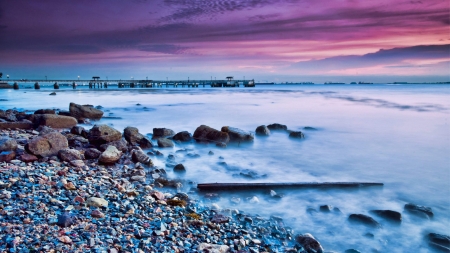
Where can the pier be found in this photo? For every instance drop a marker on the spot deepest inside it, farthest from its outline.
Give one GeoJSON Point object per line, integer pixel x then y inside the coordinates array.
{"type": "Point", "coordinates": [98, 83]}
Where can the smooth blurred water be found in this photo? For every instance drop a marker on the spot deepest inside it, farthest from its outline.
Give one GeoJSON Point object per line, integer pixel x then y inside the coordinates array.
{"type": "Point", "coordinates": [398, 135]}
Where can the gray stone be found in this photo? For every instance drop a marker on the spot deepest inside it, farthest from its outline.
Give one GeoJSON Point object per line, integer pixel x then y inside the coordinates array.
{"type": "Point", "coordinates": [179, 168]}
{"type": "Point", "coordinates": [237, 134]}
{"type": "Point", "coordinates": [110, 155]}
{"type": "Point", "coordinates": [92, 153]}
{"type": "Point", "coordinates": [139, 156]}
{"type": "Point", "coordinates": [262, 130]}
{"type": "Point", "coordinates": [83, 111]}
{"type": "Point", "coordinates": [101, 134]}
{"type": "Point", "coordinates": [182, 136]}
{"type": "Point", "coordinates": [162, 132]}
{"type": "Point", "coordinates": [96, 202]}
{"type": "Point", "coordinates": [309, 243]}
{"type": "Point", "coordinates": [133, 137]}
{"type": "Point", "coordinates": [119, 144]}
{"type": "Point", "coordinates": [276, 126]}
{"type": "Point", "coordinates": [8, 144]}
{"type": "Point", "coordinates": [207, 134]}
{"type": "Point", "coordinates": [165, 143]}
{"type": "Point", "coordinates": [68, 154]}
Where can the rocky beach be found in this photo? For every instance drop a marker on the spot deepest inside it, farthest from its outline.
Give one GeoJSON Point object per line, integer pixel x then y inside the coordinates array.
{"type": "Point", "coordinates": [69, 182]}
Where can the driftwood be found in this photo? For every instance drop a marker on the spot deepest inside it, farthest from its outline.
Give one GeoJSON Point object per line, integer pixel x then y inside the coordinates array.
{"type": "Point", "coordinates": [259, 186]}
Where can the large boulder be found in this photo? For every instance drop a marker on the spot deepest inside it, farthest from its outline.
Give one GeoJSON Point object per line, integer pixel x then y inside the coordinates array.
{"type": "Point", "coordinates": [16, 125]}
{"type": "Point", "coordinates": [84, 112]}
{"type": "Point", "coordinates": [205, 133]}
{"type": "Point", "coordinates": [309, 243]}
{"type": "Point", "coordinates": [101, 134]}
{"type": "Point", "coordinates": [47, 145]}
{"type": "Point", "coordinates": [139, 156]}
{"type": "Point", "coordinates": [165, 143]}
{"type": "Point", "coordinates": [92, 153]}
{"type": "Point", "coordinates": [8, 144]}
{"type": "Point", "coordinates": [68, 154]}
{"type": "Point", "coordinates": [162, 132]}
{"type": "Point", "coordinates": [110, 155]}
{"type": "Point", "coordinates": [262, 130]}
{"type": "Point", "coordinates": [6, 156]}
{"type": "Point", "coordinates": [183, 136]}
{"type": "Point", "coordinates": [54, 121]}
{"type": "Point", "coordinates": [133, 137]}
{"type": "Point", "coordinates": [389, 215]}
{"type": "Point", "coordinates": [237, 134]}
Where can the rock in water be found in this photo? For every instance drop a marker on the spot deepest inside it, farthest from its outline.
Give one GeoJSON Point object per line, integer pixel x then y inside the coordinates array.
{"type": "Point", "coordinates": [8, 144]}
{"type": "Point", "coordinates": [364, 219]}
{"type": "Point", "coordinates": [110, 155]}
{"type": "Point", "coordinates": [101, 134]}
{"type": "Point", "coordinates": [416, 209]}
{"type": "Point", "coordinates": [79, 130]}
{"type": "Point", "coordinates": [439, 239]}
{"type": "Point", "coordinates": [165, 143]}
{"type": "Point", "coordinates": [388, 214]}
{"type": "Point", "coordinates": [162, 132]}
{"type": "Point", "coordinates": [83, 111]}
{"type": "Point", "coordinates": [133, 137]}
{"type": "Point", "coordinates": [47, 145]}
{"type": "Point", "coordinates": [296, 134]}
{"type": "Point", "coordinates": [309, 243]}
{"type": "Point", "coordinates": [262, 130]}
{"type": "Point", "coordinates": [213, 248]}
{"type": "Point", "coordinates": [54, 121]}
{"type": "Point", "coordinates": [276, 126]}
{"type": "Point", "coordinates": [68, 154]}
{"type": "Point", "coordinates": [120, 145]}
{"type": "Point", "coordinates": [182, 136]}
{"type": "Point", "coordinates": [237, 134]}
{"type": "Point", "coordinates": [179, 168]}
{"type": "Point", "coordinates": [96, 202]}
{"type": "Point", "coordinates": [207, 134]}
{"type": "Point", "coordinates": [139, 156]}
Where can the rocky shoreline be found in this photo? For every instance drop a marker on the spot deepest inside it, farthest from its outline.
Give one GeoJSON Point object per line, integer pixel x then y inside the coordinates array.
{"type": "Point", "coordinates": [68, 189]}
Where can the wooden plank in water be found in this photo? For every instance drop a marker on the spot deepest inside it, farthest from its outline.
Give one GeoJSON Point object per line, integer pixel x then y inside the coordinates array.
{"type": "Point", "coordinates": [254, 186]}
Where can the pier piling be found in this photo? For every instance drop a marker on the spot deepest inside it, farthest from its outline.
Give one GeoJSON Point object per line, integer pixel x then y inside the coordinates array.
{"type": "Point", "coordinates": [37, 86]}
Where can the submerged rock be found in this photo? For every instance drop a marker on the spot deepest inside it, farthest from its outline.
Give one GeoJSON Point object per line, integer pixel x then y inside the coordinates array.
{"type": "Point", "coordinates": [296, 134]}
{"type": "Point", "coordinates": [205, 133]}
{"type": "Point", "coordinates": [309, 243]}
{"type": "Point", "coordinates": [364, 219]}
{"type": "Point", "coordinates": [165, 143]}
{"type": "Point", "coordinates": [262, 130]}
{"type": "Point", "coordinates": [419, 210]}
{"type": "Point", "coordinates": [276, 126]}
{"type": "Point", "coordinates": [439, 241]}
{"type": "Point", "coordinates": [162, 132]}
{"type": "Point", "coordinates": [179, 168]}
{"type": "Point", "coordinates": [237, 134]}
{"type": "Point", "coordinates": [388, 214]}
{"type": "Point", "coordinates": [83, 111]}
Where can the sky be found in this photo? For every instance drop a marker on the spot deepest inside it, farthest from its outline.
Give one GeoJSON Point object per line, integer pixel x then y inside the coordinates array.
{"type": "Point", "coordinates": [265, 40]}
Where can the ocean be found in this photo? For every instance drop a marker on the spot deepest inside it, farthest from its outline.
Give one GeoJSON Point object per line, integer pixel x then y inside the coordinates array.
{"type": "Point", "coordinates": [398, 135]}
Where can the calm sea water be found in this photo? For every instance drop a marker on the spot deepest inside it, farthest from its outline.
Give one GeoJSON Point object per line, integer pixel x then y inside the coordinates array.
{"type": "Point", "coordinates": [398, 135]}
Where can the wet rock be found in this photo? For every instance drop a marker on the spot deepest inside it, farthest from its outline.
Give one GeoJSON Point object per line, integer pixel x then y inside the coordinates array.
{"type": "Point", "coordinates": [207, 134]}
{"type": "Point", "coordinates": [68, 154]}
{"type": "Point", "coordinates": [145, 143]}
{"type": "Point", "coordinates": [439, 239]}
{"type": "Point", "coordinates": [79, 130]}
{"type": "Point", "coordinates": [309, 243]}
{"type": "Point", "coordinates": [309, 128]}
{"type": "Point", "coordinates": [183, 136]}
{"type": "Point", "coordinates": [7, 156]}
{"type": "Point", "coordinates": [364, 219]}
{"type": "Point", "coordinates": [110, 155]}
{"type": "Point", "coordinates": [65, 220]}
{"type": "Point", "coordinates": [326, 208]}
{"type": "Point", "coordinates": [120, 145]}
{"type": "Point", "coordinates": [296, 134]}
{"type": "Point", "coordinates": [276, 126]}
{"type": "Point", "coordinates": [210, 153]}
{"type": "Point", "coordinates": [419, 210]}
{"type": "Point", "coordinates": [54, 121]}
{"type": "Point", "coordinates": [179, 168]}
{"type": "Point", "coordinates": [101, 134]}
{"type": "Point", "coordinates": [83, 111]}
{"type": "Point", "coordinates": [52, 94]}
{"type": "Point", "coordinates": [8, 144]}
{"type": "Point", "coordinates": [237, 134]}
{"type": "Point", "coordinates": [162, 132]}
{"type": "Point", "coordinates": [28, 158]}
{"type": "Point", "coordinates": [133, 137]}
{"type": "Point", "coordinates": [165, 143]}
{"type": "Point", "coordinates": [47, 145]}
{"type": "Point", "coordinates": [389, 215]}
{"type": "Point", "coordinates": [221, 145]}
{"type": "Point", "coordinates": [352, 251]}
{"type": "Point", "coordinates": [45, 111]}
{"type": "Point", "coordinates": [213, 248]}
{"type": "Point", "coordinates": [92, 153]}
{"type": "Point", "coordinates": [16, 125]}
{"type": "Point", "coordinates": [262, 130]}
{"type": "Point", "coordinates": [97, 202]}
{"type": "Point", "coordinates": [139, 156]}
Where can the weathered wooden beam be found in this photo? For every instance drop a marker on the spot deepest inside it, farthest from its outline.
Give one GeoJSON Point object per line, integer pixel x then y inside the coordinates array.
{"type": "Point", "coordinates": [259, 186]}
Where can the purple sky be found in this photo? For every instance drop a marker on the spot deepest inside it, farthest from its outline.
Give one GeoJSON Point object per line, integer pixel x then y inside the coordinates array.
{"type": "Point", "coordinates": [268, 40]}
